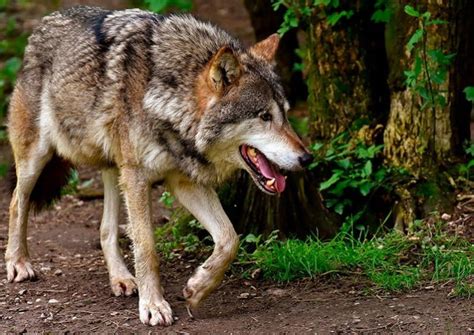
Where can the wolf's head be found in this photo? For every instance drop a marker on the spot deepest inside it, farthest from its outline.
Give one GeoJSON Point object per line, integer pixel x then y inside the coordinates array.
{"type": "Point", "coordinates": [243, 114]}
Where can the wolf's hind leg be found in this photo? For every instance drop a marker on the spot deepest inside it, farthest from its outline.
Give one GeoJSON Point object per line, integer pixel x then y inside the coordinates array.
{"type": "Point", "coordinates": [28, 170]}
{"type": "Point", "coordinates": [204, 204]}
{"type": "Point", "coordinates": [121, 280]}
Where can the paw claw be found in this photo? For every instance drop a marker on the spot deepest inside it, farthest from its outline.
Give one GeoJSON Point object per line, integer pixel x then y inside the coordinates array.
{"type": "Point", "coordinates": [156, 313]}
{"type": "Point", "coordinates": [123, 286]}
{"type": "Point", "coordinates": [18, 271]}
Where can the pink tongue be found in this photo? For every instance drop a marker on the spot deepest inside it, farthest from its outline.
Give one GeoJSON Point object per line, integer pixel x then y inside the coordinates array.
{"type": "Point", "coordinates": [270, 172]}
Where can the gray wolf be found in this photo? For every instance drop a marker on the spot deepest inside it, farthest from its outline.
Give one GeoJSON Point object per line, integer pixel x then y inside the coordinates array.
{"type": "Point", "coordinates": [146, 98]}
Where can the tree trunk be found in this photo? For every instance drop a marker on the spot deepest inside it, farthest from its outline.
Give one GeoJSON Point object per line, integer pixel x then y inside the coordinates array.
{"type": "Point", "coordinates": [265, 22]}
{"type": "Point", "coordinates": [422, 140]}
{"type": "Point", "coordinates": [299, 210]}
{"type": "Point", "coordinates": [347, 71]}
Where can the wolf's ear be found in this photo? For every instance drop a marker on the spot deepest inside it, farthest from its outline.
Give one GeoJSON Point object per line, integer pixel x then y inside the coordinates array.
{"type": "Point", "coordinates": [267, 48]}
{"type": "Point", "coordinates": [224, 70]}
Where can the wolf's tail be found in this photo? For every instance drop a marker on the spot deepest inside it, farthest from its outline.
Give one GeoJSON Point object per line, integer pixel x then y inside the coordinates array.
{"type": "Point", "coordinates": [47, 189]}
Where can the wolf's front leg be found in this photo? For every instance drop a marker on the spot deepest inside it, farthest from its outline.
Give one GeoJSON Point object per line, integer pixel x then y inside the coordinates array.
{"type": "Point", "coordinates": [204, 204]}
{"type": "Point", "coordinates": [153, 308]}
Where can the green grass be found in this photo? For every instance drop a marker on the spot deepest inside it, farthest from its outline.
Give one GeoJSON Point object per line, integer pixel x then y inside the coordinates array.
{"type": "Point", "coordinates": [393, 262]}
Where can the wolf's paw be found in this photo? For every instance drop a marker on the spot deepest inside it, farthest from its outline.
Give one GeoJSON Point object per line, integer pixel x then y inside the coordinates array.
{"type": "Point", "coordinates": [157, 312]}
{"type": "Point", "coordinates": [123, 286]}
{"type": "Point", "coordinates": [20, 270]}
{"type": "Point", "coordinates": [200, 285]}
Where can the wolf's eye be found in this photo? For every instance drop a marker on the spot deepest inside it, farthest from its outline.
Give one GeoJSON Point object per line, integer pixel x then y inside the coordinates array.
{"type": "Point", "coordinates": [265, 116]}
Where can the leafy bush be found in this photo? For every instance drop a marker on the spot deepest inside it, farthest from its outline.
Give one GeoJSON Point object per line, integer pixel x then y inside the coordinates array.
{"type": "Point", "coordinates": [160, 6]}
{"type": "Point", "coordinates": [12, 45]}
{"type": "Point", "coordinates": [354, 171]}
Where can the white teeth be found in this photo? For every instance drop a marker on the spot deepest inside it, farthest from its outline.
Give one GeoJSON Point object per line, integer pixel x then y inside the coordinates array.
{"type": "Point", "coordinates": [251, 152]}
{"type": "Point", "coordinates": [270, 182]}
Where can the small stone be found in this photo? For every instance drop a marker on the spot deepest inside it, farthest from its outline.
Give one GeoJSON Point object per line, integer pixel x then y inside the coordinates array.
{"type": "Point", "coordinates": [21, 292]}
{"type": "Point", "coordinates": [356, 321]}
{"type": "Point", "coordinates": [244, 295]}
{"type": "Point", "coordinates": [114, 313]}
{"type": "Point", "coordinates": [58, 272]}
{"type": "Point", "coordinates": [277, 292]}
{"type": "Point", "coordinates": [446, 216]}
{"type": "Point", "coordinates": [38, 300]}
{"type": "Point", "coordinates": [53, 301]}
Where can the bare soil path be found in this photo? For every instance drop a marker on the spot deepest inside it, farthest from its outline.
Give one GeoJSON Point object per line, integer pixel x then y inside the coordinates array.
{"type": "Point", "coordinates": [72, 294]}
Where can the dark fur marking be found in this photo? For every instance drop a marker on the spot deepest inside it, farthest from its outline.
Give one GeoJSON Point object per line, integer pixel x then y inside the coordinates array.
{"type": "Point", "coordinates": [169, 80]}
{"type": "Point", "coordinates": [47, 189]}
{"type": "Point", "coordinates": [187, 148]}
{"type": "Point", "coordinates": [97, 23]}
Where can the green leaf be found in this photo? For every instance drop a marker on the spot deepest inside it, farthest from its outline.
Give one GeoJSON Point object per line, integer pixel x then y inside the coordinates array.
{"type": "Point", "coordinates": [414, 39]}
{"type": "Point", "coordinates": [412, 11]}
{"type": "Point", "coordinates": [381, 16]}
{"type": "Point", "coordinates": [365, 188]}
{"type": "Point", "coordinates": [436, 22]}
{"type": "Point", "coordinates": [159, 6]}
{"type": "Point", "coordinates": [316, 146]}
{"type": "Point", "coordinates": [335, 17]}
{"type": "Point", "coordinates": [368, 168]}
{"type": "Point", "coordinates": [251, 238]}
{"type": "Point", "coordinates": [339, 188]}
{"type": "Point", "coordinates": [331, 181]}
{"type": "Point", "coordinates": [339, 208]}
{"type": "Point", "coordinates": [3, 170]}
{"type": "Point", "coordinates": [344, 163]}
{"type": "Point", "coordinates": [469, 91]}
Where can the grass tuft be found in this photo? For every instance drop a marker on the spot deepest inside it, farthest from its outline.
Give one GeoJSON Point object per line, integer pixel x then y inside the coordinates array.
{"type": "Point", "coordinates": [393, 262]}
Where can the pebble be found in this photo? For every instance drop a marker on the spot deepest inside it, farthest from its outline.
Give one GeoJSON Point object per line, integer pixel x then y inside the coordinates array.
{"type": "Point", "coordinates": [58, 272]}
{"type": "Point", "coordinates": [52, 301]}
{"type": "Point", "coordinates": [114, 313]}
{"type": "Point", "coordinates": [277, 292]}
{"type": "Point", "coordinates": [21, 292]}
{"type": "Point", "coordinates": [244, 295]}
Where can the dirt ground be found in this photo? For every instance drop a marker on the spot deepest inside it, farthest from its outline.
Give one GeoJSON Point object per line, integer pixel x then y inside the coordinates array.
{"type": "Point", "coordinates": [72, 294]}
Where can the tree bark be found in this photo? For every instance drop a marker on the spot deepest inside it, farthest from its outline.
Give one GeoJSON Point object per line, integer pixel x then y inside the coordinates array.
{"type": "Point", "coordinates": [347, 71]}
{"type": "Point", "coordinates": [422, 141]}
{"type": "Point", "coordinates": [265, 21]}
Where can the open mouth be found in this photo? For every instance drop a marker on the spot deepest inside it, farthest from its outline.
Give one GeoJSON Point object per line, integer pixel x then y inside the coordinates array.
{"type": "Point", "coordinates": [266, 174]}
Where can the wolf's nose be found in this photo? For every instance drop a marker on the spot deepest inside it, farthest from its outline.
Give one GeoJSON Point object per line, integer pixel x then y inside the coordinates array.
{"type": "Point", "coordinates": [305, 160]}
